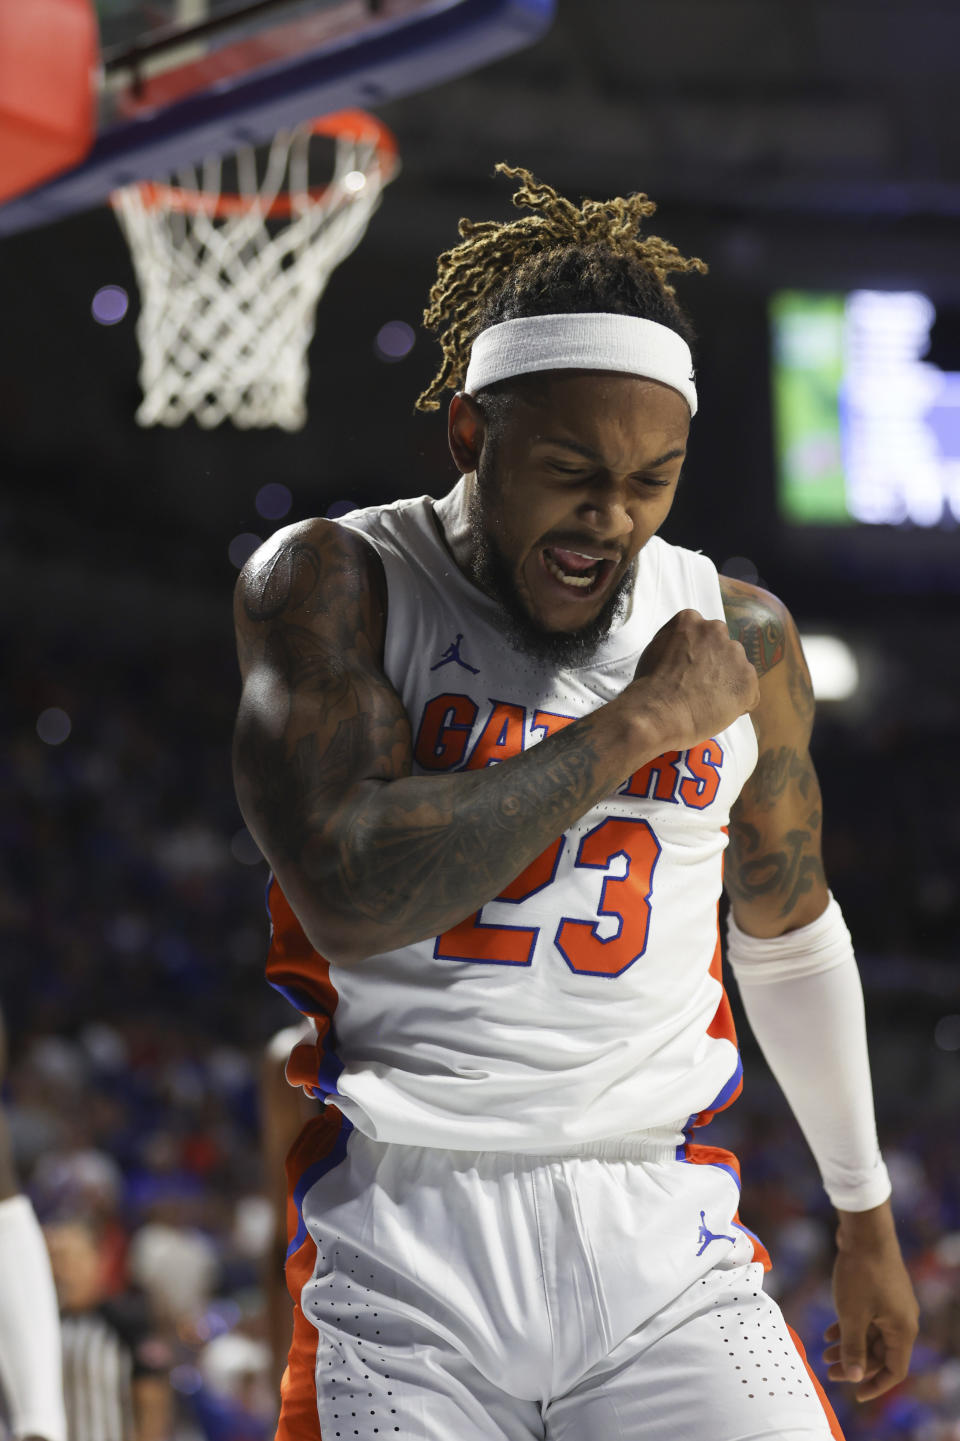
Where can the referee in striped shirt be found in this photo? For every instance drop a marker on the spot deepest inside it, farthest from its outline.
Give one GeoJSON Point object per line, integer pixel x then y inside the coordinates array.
{"type": "Point", "coordinates": [115, 1385]}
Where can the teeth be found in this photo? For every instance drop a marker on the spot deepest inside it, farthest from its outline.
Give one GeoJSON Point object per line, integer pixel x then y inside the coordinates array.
{"type": "Point", "coordinates": [581, 582]}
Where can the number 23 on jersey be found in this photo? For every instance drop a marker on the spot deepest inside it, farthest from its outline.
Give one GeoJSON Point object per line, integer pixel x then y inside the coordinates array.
{"type": "Point", "coordinates": [443, 743]}
{"type": "Point", "coordinates": [626, 897]}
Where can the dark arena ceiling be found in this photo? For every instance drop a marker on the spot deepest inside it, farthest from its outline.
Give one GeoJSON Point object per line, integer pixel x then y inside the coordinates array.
{"type": "Point", "coordinates": [790, 142]}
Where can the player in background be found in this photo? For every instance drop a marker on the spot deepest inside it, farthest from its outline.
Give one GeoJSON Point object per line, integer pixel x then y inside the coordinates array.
{"type": "Point", "coordinates": [493, 747]}
{"type": "Point", "coordinates": [30, 1367]}
{"type": "Point", "coordinates": [115, 1366]}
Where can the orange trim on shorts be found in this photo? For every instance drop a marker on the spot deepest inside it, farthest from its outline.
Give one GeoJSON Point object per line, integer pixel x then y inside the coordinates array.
{"type": "Point", "coordinates": [697, 1155]}
{"type": "Point", "coordinates": [299, 1418]}
{"type": "Point", "coordinates": [828, 1409]}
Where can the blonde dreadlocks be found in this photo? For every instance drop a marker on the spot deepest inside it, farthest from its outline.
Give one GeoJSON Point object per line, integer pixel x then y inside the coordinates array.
{"type": "Point", "coordinates": [561, 259]}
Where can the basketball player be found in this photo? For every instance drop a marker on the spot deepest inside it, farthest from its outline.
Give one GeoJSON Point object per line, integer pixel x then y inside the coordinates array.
{"type": "Point", "coordinates": [493, 747]}
{"type": "Point", "coordinates": [31, 1385]}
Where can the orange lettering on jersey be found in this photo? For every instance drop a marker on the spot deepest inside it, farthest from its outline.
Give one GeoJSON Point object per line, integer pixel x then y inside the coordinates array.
{"type": "Point", "coordinates": [474, 940]}
{"type": "Point", "coordinates": [501, 737]}
{"type": "Point", "coordinates": [661, 773]}
{"type": "Point", "coordinates": [549, 722]}
{"type": "Point", "coordinates": [704, 761]}
{"type": "Point", "coordinates": [626, 898]}
{"type": "Point", "coordinates": [478, 940]}
{"type": "Point", "coordinates": [539, 873]}
{"type": "Point", "coordinates": [444, 731]}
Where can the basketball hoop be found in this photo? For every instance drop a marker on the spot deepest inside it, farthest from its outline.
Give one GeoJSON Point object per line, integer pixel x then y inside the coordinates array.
{"type": "Point", "coordinates": [230, 280]}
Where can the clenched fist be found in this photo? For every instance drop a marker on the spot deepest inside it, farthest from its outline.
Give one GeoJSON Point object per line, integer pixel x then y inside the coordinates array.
{"type": "Point", "coordinates": [692, 681]}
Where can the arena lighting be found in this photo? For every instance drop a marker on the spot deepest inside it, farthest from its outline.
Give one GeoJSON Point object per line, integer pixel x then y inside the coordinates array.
{"type": "Point", "coordinates": [242, 546]}
{"type": "Point", "coordinates": [53, 726]}
{"type": "Point", "coordinates": [394, 340]}
{"type": "Point", "coordinates": [109, 305]}
{"type": "Point", "coordinates": [833, 667]}
{"type": "Point", "coordinates": [274, 500]}
{"type": "Point", "coordinates": [946, 1034]}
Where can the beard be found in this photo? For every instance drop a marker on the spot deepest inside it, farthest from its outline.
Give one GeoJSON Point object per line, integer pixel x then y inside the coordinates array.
{"type": "Point", "coordinates": [490, 571]}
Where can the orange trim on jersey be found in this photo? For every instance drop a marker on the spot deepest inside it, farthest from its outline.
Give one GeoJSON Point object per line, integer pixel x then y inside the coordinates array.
{"type": "Point", "coordinates": [292, 961]}
{"type": "Point", "coordinates": [298, 971]}
{"type": "Point", "coordinates": [721, 1028]}
{"type": "Point", "coordinates": [822, 1395]}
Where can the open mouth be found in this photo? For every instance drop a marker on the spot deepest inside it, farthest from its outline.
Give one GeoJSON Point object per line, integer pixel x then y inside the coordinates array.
{"type": "Point", "coordinates": [580, 573]}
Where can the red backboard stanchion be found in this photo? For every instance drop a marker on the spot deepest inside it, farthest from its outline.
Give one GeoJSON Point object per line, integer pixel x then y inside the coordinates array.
{"type": "Point", "coordinates": [49, 53]}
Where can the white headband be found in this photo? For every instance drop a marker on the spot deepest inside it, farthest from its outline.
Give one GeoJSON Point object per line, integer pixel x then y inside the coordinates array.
{"type": "Point", "coordinates": [582, 342]}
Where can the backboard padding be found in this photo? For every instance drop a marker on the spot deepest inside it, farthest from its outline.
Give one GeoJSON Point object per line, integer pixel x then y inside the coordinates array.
{"type": "Point", "coordinates": [405, 52]}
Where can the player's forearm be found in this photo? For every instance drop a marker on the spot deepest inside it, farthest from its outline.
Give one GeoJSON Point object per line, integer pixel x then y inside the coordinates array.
{"type": "Point", "coordinates": [401, 860]}
{"type": "Point", "coordinates": [803, 999]}
{"type": "Point", "coordinates": [30, 1366]}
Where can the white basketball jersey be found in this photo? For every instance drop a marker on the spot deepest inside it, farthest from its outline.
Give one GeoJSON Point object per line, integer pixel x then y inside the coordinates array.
{"type": "Point", "coordinates": [585, 1001]}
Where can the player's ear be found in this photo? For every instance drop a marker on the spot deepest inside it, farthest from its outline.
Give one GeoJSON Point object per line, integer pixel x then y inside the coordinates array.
{"type": "Point", "coordinates": [466, 431]}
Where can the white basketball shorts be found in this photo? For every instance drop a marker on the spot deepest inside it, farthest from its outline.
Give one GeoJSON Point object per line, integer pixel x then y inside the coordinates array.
{"type": "Point", "coordinates": [608, 1294]}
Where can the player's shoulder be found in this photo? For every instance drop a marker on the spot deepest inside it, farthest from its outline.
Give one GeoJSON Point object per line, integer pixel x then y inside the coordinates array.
{"type": "Point", "coordinates": [307, 565]}
{"type": "Point", "coordinates": [765, 628]}
{"type": "Point", "coordinates": [759, 620]}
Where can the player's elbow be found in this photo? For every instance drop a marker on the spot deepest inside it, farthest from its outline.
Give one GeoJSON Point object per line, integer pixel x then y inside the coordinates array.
{"type": "Point", "coordinates": [335, 941]}
{"type": "Point", "coordinates": [329, 923]}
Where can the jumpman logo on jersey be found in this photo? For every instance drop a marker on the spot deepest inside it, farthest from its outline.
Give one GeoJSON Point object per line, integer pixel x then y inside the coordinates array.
{"type": "Point", "coordinates": [705, 1236]}
{"type": "Point", "coordinates": [452, 653]}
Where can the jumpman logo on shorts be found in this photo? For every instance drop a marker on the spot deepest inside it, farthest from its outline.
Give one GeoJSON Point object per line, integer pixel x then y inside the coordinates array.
{"type": "Point", "coordinates": [705, 1236]}
{"type": "Point", "coordinates": [452, 653]}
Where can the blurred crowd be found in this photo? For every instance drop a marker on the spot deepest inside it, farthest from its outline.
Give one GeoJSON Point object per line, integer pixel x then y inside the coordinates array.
{"type": "Point", "coordinates": [134, 936]}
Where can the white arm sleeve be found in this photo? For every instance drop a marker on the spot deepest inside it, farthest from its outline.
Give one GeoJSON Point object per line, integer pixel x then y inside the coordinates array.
{"type": "Point", "coordinates": [804, 1002]}
{"type": "Point", "coordinates": [30, 1363]}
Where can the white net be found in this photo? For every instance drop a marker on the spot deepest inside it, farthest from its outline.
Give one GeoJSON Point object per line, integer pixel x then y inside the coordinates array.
{"type": "Point", "coordinates": [229, 285]}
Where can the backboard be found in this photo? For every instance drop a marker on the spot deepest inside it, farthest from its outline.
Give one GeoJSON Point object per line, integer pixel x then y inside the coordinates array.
{"type": "Point", "coordinates": [184, 79]}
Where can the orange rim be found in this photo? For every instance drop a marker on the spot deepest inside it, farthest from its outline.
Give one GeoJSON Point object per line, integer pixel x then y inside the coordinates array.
{"type": "Point", "coordinates": [354, 124]}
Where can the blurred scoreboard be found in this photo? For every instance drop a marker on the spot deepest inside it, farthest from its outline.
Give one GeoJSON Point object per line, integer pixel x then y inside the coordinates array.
{"type": "Point", "coordinates": [866, 430]}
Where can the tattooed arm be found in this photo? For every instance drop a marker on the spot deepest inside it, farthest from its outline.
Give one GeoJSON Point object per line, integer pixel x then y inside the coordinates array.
{"type": "Point", "coordinates": [810, 1023]}
{"type": "Point", "coordinates": [370, 856]}
{"type": "Point", "coordinates": [773, 874]}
